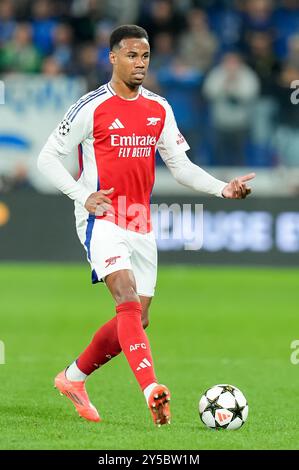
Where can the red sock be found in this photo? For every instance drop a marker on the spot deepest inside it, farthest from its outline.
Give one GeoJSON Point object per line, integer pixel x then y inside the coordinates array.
{"type": "Point", "coordinates": [134, 342]}
{"type": "Point", "coordinates": [103, 347]}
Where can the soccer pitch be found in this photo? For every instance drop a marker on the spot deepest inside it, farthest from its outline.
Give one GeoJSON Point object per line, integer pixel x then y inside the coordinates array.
{"type": "Point", "coordinates": [208, 326]}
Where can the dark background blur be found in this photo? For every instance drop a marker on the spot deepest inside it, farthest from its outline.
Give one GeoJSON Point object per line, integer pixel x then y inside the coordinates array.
{"type": "Point", "coordinates": [227, 67]}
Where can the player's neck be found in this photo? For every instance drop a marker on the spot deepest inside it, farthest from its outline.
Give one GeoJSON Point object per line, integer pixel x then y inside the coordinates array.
{"type": "Point", "coordinates": [122, 90]}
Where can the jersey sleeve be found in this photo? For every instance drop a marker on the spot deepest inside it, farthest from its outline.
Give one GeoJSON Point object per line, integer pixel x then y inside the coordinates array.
{"type": "Point", "coordinates": [74, 128]}
{"type": "Point", "coordinates": [64, 140]}
{"type": "Point", "coordinates": [171, 141]}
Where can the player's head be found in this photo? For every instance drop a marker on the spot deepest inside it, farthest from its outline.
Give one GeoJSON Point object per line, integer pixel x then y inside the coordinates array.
{"type": "Point", "coordinates": [129, 54]}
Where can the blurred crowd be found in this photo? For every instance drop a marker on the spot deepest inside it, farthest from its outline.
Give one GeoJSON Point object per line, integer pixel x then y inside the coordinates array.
{"type": "Point", "coordinates": [225, 65]}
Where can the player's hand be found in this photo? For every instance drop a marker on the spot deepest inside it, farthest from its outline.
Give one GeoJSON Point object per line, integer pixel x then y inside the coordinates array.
{"type": "Point", "coordinates": [98, 203]}
{"type": "Point", "coordinates": [237, 188]}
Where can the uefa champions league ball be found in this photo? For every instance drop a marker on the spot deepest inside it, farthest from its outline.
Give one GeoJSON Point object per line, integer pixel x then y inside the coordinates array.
{"type": "Point", "coordinates": [223, 407]}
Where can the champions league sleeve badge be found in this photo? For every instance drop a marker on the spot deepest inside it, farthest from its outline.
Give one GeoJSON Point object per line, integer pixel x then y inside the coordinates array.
{"type": "Point", "coordinates": [64, 127]}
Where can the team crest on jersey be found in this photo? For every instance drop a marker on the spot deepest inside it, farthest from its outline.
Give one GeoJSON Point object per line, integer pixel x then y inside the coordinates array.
{"type": "Point", "coordinates": [153, 121]}
{"type": "Point", "coordinates": [64, 127]}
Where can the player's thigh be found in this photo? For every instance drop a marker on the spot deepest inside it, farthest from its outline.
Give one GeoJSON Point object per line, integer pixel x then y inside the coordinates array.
{"type": "Point", "coordinates": [107, 249]}
{"type": "Point", "coordinates": [144, 263]}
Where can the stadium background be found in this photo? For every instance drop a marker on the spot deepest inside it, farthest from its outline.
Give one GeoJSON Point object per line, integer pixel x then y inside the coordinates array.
{"type": "Point", "coordinates": [229, 70]}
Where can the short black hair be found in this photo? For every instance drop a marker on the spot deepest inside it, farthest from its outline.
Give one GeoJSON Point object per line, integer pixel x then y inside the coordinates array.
{"type": "Point", "coordinates": [126, 31]}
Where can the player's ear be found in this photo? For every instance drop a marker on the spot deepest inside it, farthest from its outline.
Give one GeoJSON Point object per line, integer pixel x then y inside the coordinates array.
{"type": "Point", "coordinates": [112, 57]}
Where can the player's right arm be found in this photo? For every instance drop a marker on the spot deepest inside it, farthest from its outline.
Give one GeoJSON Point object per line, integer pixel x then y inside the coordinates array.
{"type": "Point", "coordinates": [61, 144]}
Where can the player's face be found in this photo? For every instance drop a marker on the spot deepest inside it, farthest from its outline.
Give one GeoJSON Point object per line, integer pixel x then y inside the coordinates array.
{"type": "Point", "coordinates": [130, 62]}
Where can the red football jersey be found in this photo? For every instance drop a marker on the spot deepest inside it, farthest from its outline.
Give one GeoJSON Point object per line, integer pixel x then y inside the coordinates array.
{"type": "Point", "coordinates": [117, 140]}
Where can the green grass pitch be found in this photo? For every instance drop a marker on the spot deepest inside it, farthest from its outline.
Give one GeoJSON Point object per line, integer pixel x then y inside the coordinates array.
{"type": "Point", "coordinates": [208, 326]}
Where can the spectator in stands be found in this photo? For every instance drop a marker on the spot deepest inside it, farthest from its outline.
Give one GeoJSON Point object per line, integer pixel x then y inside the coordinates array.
{"type": "Point", "coordinates": [87, 65]}
{"type": "Point", "coordinates": [162, 17]}
{"type": "Point", "coordinates": [62, 9]}
{"type": "Point", "coordinates": [226, 22]}
{"type": "Point", "coordinates": [85, 16]}
{"type": "Point", "coordinates": [180, 84]}
{"type": "Point", "coordinates": [231, 88]}
{"type": "Point", "coordinates": [103, 32]}
{"type": "Point", "coordinates": [122, 12]}
{"type": "Point", "coordinates": [43, 25]}
{"type": "Point", "coordinates": [64, 47]}
{"type": "Point", "coordinates": [20, 55]}
{"type": "Point", "coordinates": [164, 51]}
{"type": "Point", "coordinates": [293, 51]}
{"type": "Point", "coordinates": [262, 60]}
{"type": "Point", "coordinates": [7, 21]}
{"type": "Point", "coordinates": [198, 44]}
{"type": "Point", "coordinates": [286, 22]}
{"type": "Point", "coordinates": [259, 15]}
{"type": "Point", "coordinates": [51, 67]}
{"type": "Point", "coordinates": [286, 137]}
{"type": "Point", "coordinates": [17, 179]}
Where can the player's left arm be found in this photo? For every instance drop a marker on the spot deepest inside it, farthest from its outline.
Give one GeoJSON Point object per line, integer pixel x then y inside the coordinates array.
{"type": "Point", "coordinates": [172, 147]}
{"type": "Point", "coordinates": [237, 187]}
{"type": "Point", "coordinates": [194, 177]}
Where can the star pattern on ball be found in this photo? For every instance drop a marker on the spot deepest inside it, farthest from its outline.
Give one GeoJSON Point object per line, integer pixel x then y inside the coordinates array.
{"type": "Point", "coordinates": [64, 127]}
{"type": "Point", "coordinates": [237, 411]}
{"type": "Point", "coordinates": [228, 388]}
{"type": "Point", "coordinates": [213, 405]}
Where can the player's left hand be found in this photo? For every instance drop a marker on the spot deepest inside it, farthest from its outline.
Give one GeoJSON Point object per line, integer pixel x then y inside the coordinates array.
{"type": "Point", "coordinates": [237, 188]}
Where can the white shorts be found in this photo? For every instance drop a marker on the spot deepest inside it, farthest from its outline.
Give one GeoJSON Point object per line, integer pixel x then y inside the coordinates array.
{"type": "Point", "coordinates": [111, 248]}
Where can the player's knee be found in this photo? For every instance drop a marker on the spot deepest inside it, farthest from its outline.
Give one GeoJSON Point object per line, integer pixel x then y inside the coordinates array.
{"type": "Point", "coordinates": [126, 294]}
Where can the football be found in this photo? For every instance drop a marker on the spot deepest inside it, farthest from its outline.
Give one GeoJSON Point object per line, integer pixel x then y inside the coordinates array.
{"type": "Point", "coordinates": [223, 407]}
